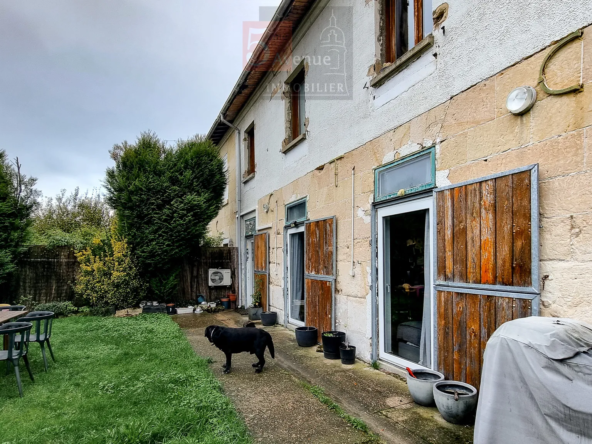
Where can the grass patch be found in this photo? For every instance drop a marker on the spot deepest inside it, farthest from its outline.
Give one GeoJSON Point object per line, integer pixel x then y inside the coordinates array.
{"type": "Point", "coordinates": [118, 380]}
{"type": "Point", "coordinates": [356, 423]}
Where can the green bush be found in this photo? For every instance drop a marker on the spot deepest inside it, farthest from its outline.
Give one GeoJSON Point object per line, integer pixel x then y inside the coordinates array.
{"type": "Point", "coordinates": [58, 308]}
{"type": "Point", "coordinates": [73, 220]}
{"type": "Point", "coordinates": [165, 197]}
{"type": "Point", "coordinates": [108, 275]}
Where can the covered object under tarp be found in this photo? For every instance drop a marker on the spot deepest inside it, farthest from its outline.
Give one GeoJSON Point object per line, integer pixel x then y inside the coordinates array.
{"type": "Point", "coordinates": [536, 385]}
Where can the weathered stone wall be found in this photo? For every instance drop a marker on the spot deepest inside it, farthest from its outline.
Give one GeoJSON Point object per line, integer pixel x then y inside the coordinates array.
{"type": "Point", "coordinates": [474, 136]}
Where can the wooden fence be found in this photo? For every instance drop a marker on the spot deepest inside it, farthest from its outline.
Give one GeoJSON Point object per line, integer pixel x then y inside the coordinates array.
{"type": "Point", "coordinates": [47, 275]}
{"type": "Point", "coordinates": [194, 274]}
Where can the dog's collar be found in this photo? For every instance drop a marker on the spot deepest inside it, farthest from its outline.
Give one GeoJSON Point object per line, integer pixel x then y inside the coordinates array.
{"type": "Point", "coordinates": [212, 334]}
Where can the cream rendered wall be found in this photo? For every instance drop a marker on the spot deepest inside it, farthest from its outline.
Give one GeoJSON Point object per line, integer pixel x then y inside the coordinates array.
{"type": "Point", "coordinates": [225, 222]}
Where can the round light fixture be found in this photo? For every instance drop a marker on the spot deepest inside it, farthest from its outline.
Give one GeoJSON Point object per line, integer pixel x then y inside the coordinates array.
{"type": "Point", "coordinates": [521, 99]}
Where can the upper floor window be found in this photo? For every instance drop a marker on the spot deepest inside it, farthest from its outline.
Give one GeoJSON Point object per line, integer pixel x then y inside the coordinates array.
{"type": "Point", "coordinates": [297, 99]}
{"type": "Point", "coordinates": [250, 151]}
{"type": "Point", "coordinates": [406, 23]}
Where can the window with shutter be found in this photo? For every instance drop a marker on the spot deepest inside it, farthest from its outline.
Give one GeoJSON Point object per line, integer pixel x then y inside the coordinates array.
{"type": "Point", "coordinates": [487, 264]}
{"type": "Point", "coordinates": [319, 269]}
{"type": "Point", "coordinates": [262, 267]}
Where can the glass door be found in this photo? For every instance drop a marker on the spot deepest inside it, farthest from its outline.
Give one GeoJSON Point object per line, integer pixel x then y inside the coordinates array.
{"type": "Point", "coordinates": [405, 283]}
{"type": "Point", "coordinates": [295, 274]}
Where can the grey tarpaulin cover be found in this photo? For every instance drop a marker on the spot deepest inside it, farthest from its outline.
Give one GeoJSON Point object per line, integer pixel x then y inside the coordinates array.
{"type": "Point", "coordinates": [536, 383]}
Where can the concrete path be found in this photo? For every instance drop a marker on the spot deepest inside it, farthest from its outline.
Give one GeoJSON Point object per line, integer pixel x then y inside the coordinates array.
{"type": "Point", "coordinates": [278, 408]}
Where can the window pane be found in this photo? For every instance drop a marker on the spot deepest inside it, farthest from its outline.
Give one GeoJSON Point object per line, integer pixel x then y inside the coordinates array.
{"type": "Point", "coordinates": [407, 175]}
{"type": "Point", "coordinates": [296, 212]}
{"type": "Point", "coordinates": [401, 31]}
{"type": "Point", "coordinates": [301, 115]}
{"type": "Point", "coordinates": [428, 21]}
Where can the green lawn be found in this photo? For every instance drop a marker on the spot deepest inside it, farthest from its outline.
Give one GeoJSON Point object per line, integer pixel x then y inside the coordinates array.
{"type": "Point", "coordinates": [118, 380]}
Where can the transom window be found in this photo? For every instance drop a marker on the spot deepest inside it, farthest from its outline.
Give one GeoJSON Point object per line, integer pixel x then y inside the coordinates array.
{"type": "Point", "coordinates": [296, 212]}
{"type": "Point", "coordinates": [406, 23]}
{"type": "Point", "coordinates": [410, 175]}
{"type": "Point", "coordinates": [250, 227]}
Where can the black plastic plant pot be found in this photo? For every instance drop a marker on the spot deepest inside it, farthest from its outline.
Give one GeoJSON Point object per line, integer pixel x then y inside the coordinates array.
{"type": "Point", "coordinates": [268, 318]}
{"type": "Point", "coordinates": [332, 340]}
{"type": "Point", "coordinates": [254, 313]}
{"type": "Point", "coordinates": [307, 336]}
{"type": "Point", "coordinates": [348, 354]}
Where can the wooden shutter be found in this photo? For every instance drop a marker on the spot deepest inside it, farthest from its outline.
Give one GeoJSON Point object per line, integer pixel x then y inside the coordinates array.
{"type": "Point", "coordinates": [487, 265]}
{"type": "Point", "coordinates": [262, 266]}
{"type": "Point", "coordinates": [319, 273]}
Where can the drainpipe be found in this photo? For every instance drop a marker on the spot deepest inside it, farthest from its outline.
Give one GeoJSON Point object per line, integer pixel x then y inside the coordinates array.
{"type": "Point", "coordinates": [238, 207]}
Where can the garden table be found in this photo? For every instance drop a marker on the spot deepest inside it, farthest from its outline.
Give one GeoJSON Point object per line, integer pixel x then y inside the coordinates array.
{"type": "Point", "coordinates": [6, 316]}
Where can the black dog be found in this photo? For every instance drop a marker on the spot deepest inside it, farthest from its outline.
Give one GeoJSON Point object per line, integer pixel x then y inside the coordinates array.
{"type": "Point", "coordinates": [237, 340]}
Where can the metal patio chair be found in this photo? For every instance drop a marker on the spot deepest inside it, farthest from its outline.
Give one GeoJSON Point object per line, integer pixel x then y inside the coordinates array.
{"type": "Point", "coordinates": [42, 322]}
{"type": "Point", "coordinates": [16, 349]}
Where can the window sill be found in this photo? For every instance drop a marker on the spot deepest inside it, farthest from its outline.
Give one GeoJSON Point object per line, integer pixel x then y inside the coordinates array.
{"type": "Point", "coordinates": [293, 143]}
{"type": "Point", "coordinates": [225, 202]}
{"type": "Point", "coordinates": [249, 177]}
{"type": "Point", "coordinates": [404, 61]}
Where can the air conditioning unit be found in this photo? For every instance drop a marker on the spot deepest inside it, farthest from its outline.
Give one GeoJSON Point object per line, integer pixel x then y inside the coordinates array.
{"type": "Point", "coordinates": [219, 277]}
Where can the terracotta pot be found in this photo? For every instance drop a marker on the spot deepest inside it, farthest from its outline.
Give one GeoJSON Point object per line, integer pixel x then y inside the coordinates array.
{"type": "Point", "coordinates": [232, 297]}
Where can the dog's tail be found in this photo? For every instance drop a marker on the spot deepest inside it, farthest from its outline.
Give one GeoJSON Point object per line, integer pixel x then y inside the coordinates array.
{"type": "Point", "coordinates": [270, 346]}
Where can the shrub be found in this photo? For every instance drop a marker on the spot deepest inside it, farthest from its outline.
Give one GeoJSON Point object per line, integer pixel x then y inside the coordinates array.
{"type": "Point", "coordinates": [108, 275]}
{"type": "Point", "coordinates": [165, 198]}
{"type": "Point", "coordinates": [58, 308]}
{"type": "Point", "coordinates": [71, 220]}
{"type": "Point", "coordinates": [18, 199]}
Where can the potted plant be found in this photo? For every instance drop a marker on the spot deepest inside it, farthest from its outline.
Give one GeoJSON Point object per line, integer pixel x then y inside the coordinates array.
{"type": "Point", "coordinates": [255, 309]}
{"type": "Point", "coordinates": [456, 401]}
{"type": "Point", "coordinates": [268, 318]}
{"type": "Point", "coordinates": [421, 385]}
{"type": "Point", "coordinates": [347, 353]}
{"type": "Point", "coordinates": [307, 336]}
{"type": "Point", "coordinates": [332, 340]}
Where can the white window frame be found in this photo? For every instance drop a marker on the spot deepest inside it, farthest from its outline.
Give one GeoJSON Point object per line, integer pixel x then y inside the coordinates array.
{"type": "Point", "coordinates": [424, 203]}
{"type": "Point", "coordinates": [291, 320]}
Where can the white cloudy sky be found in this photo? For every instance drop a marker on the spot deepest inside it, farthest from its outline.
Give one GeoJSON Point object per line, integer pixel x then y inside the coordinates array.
{"type": "Point", "coordinates": [78, 76]}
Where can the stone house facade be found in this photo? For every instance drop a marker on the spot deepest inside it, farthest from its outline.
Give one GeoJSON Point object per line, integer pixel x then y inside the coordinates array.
{"type": "Point", "coordinates": [490, 217]}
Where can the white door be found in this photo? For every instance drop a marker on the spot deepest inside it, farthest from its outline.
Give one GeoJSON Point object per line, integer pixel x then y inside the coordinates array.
{"type": "Point", "coordinates": [250, 261]}
{"type": "Point", "coordinates": [405, 293]}
{"type": "Point", "coordinates": [295, 274]}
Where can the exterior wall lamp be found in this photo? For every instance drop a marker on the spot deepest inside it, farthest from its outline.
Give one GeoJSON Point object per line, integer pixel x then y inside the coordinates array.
{"type": "Point", "coordinates": [521, 100]}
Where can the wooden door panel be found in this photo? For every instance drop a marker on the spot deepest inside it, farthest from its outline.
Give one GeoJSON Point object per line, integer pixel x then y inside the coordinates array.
{"type": "Point", "coordinates": [261, 266]}
{"type": "Point", "coordinates": [484, 232]}
{"type": "Point", "coordinates": [319, 247]}
{"type": "Point", "coordinates": [503, 230]}
{"type": "Point", "coordinates": [261, 279]}
{"type": "Point", "coordinates": [261, 249]}
{"type": "Point", "coordinates": [488, 260]}
{"type": "Point", "coordinates": [522, 259]}
{"type": "Point", "coordinates": [465, 323]}
{"type": "Point", "coordinates": [319, 305]}
{"type": "Point", "coordinates": [319, 269]}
